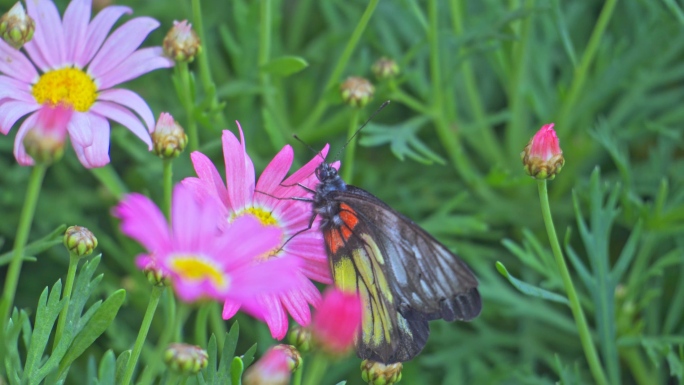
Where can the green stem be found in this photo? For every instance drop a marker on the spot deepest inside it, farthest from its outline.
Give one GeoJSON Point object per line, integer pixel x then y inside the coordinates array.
{"type": "Point", "coordinates": [167, 181]}
{"type": "Point", "coordinates": [268, 109]}
{"type": "Point", "coordinates": [201, 324]}
{"type": "Point", "coordinates": [320, 107]}
{"type": "Point", "coordinates": [488, 143]}
{"type": "Point", "coordinates": [568, 107]}
{"type": "Point", "coordinates": [635, 363]}
{"type": "Point", "coordinates": [203, 61]}
{"type": "Point", "coordinates": [218, 325]}
{"type": "Point", "coordinates": [23, 230]}
{"type": "Point", "coordinates": [110, 180]}
{"type": "Point", "coordinates": [575, 306]}
{"type": "Point", "coordinates": [68, 287]}
{"type": "Point", "coordinates": [348, 171]}
{"type": "Point", "coordinates": [408, 100]}
{"type": "Point", "coordinates": [142, 334]}
{"type": "Point", "coordinates": [189, 105]}
{"type": "Point", "coordinates": [297, 378]}
{"type": "Point", "coordinates": [319, 364]}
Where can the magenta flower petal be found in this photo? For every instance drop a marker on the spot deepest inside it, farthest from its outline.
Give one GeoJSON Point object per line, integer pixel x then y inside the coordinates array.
{"type": "Point", "coordinates": [13, 110]}
{"type": "Point", "coordinates": [230, 308]}
{"type": "Point", "coordinates": [97, 153]}
{"type": "Point", "coordinates": [277, 170]}
{"type": "Point", "coordinates": [15, 64]}
{"type": "Point", "coordinates": [274, 315]}
{"type": "Point", "coordinates": [132, 101]}
{"type": "Point", "coordinates": [140, 62]}
{"type": "Point", "coordinates": [76, 19]}
{"type": "Point", "coordinates": [19, 151]}
{"type": "Point", "coordinates": [79, 129]}
{"type": "Point", "coordinates": [124, 117]}
{"type": "Point", "coordinates": [236, 166]}
{"type": "Point", "coordinates": [49, 36]}
{"type": "Point", "coordinates": [298, 305]}
{"type": "Point", "coordinates": [14, 89]}
{"type": "Point", "coordinates": [193, 221]}
{"type": "Point", "coordinates": [143, 221]}
{"type": "Point", "coordinates": [98, 30]}
{"type": "Point", "coordinates": [209, 180]}
{"type": "Point", "coordinates": [121, 44]}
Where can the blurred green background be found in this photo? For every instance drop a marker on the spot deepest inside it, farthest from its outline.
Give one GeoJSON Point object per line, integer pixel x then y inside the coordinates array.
{"type": "Point", "coordinates": [478, 78]}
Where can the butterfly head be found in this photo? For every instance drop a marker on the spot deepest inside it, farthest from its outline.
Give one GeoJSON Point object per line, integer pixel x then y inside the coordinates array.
{"type": "Point", "coordinates": [329, 179]}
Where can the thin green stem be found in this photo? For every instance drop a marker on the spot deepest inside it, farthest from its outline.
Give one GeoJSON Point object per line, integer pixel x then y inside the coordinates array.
{"type": "Point", "coordinates": [201, 324]}
{"type": "Point", "coordinates": [408, 100]}
{"type": "Point", "coordinates": [297, 378]}
{"type": "Point", "coordinates": [110, 180]}
{"type": "Point", "coordinates": [218, 325]}
{"type": "Point", "coordinates": [320, 107]}
{"type": "Point", "coordinates": [575, 306]}
{"type": "Point", "coordinates": [142, 333]}
{"type": "Point", "coordinates": [348, 170]}
{"type": "Point", "coordinates": [568, 107]}
{"type": "Point", "coordinates": [189, 104]}
{"type": "Point", "coordinates": [167, 180]}
{"type": "Point", "coordinates": [23, 230]}
{"type": "Point", "coordinates": [68, 287]}
{"type": "Point", "coordinates": [489, 145]}
{"type": "Point", "coordinates": [203, 61]}
{"type": "Point", "coordinates": [319, 364]}
{"type": "Point", "coordinates": [268, 109]}
{"type": "Point", "coordinates": [635, 363]}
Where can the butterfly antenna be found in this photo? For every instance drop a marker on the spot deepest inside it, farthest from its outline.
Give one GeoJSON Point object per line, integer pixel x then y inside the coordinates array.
{"type": "Point", "coordinates": [383, 105]}
{"type": "Point", "coordinates": [307, 146]}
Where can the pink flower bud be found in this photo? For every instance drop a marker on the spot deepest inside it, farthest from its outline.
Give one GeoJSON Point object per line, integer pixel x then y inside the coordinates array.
{"type": "Point", "coordinates": [337, 321]}
{"type": "Point", "coordinates": [273, 368]}
{"type": "Point", "coordinates": [543, 157]}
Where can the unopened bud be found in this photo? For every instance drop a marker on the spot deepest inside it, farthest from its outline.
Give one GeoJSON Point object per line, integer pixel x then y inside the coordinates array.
{"type": "Point", "coordinates": [385, 68]}
{"type": "Point", "coordinates": [17, 27]}
{"type": "Point", "coordinates": [169, 138]}
{"type": "Point", "coordinates": [336, 322]}
{"type": "Point", "coordinates": [543, 157]}
{"type": "Point", "coordinates": [294, 358]}
{"type": "Point", "coordinates": [300, 337]}
{"type": "Point", "coordinates": [272, 368]}
{"type": "Point", "coordinates": [44, 142]}
{"type": "Point", "coordinates": [376, 373]}
{"type": "Point", "coordinates": [155, 275]}
{"type": "Point", "coordinates": [79, 240]}
{"type": "Point", "coordinates": [181, 42]}
{"type": "Point", "coordinates": [185, 359]}
{"type": "Point", "coordinates": [357, 91]}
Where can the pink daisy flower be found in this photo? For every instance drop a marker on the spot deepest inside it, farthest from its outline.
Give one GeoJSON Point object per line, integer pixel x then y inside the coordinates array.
{"type": "Point", "coordinates": [200, 260]}
{"type": "Point", "coordinates": [243, 197]}
{"type": "Point", "coordinates": [72, 63]}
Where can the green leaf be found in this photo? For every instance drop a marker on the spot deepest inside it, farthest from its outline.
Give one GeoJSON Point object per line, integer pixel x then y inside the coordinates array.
{"type": "Point", "coordinates": [99, 322]}
{"type": "Point", "coordinates": [37, 247]}
{"type": "Point", "coordinates": [528, 289]}
{"type": "Point", "coordinates": [248, 357]}
{"type": "Point", "coordinates": [106, 373]}
{"type": "Point", "coordinates": [121, 362]}
{"type": "Point", "coordinates": [229, 344]}
{"type": "Point", "coordinates": [285, 65]}
{"type": "Point", "coordinates": [403, 140]}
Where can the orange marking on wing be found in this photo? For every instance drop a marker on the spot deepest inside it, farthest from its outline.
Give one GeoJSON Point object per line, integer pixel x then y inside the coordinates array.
{"type": "Point", "coordinates": [348, 216]}
{"type": "Point", "coordinates": [333, 240]}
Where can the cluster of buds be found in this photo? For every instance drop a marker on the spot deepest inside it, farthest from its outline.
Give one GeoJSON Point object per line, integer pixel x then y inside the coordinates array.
{"type": "Point", "coordinates": [181, 43]}
{"type": "Point", "coordinates": [169, 138]}
{"type": "Point", "coordinates": [543, 157]}
{"type": "Point", "coordinates": [79, 240]}
{"type": "Point", "coordinates": [376, 373]}
{"type": "Point", "coordinates": [185, 359]}
{"type": "Point", "coordinates": [16, 27]}
{"type": "Point", "coordinates": [357, 91]}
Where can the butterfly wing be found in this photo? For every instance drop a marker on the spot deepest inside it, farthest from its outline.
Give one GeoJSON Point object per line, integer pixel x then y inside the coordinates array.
{"type": "Point", "coordinates": [403, 274]}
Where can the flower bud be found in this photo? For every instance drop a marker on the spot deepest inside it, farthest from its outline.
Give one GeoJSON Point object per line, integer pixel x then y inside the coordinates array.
{"type": "Point", "coordinates": [385, 68]}
{"type": "Point", "coordinates": [181, 42]}
{"type": "Point", "coordinates": [273, 368]}
{"type": "Point", "coordinates": [16, 27]}
{"type": "Point", "coordinates": [168, 138]}
{"type": "Point", "coordinates": [336, 322]}
{"type": "Point", "coordinates": [79, 240]}
{"type": "Point", "coordinates": [185, 359]}
{"type": "Point", "coordinates": [155, 275]}
{"type": "Point", "coordinates": [543, 157]}
{"type": "Point", "coordinates": [294, 358]}
{"type": "Point", "coordinates": [376, 373]}
{"type": "Point", "coordinates": [44, 142]}
{"type": "Point", "coordinates": [357, 91]}
{"type": "Point", "coordinates": [300, 337]}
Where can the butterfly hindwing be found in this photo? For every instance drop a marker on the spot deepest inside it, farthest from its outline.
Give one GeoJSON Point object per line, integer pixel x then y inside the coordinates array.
{"type": "Point", "coordinates": [404, 276]}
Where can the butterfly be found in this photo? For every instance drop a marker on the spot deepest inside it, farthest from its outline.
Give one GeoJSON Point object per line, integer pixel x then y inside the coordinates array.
{"type": "Point", "coordinates": [403, 275]}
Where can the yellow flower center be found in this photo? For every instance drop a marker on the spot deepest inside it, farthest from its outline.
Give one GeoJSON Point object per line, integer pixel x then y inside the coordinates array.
{"type": "Point", "coordinates": [196, 269]}
{"type": "Point", "coordinates": [262, 215]}
{"type": "Point", "coordinates": [69, 86]}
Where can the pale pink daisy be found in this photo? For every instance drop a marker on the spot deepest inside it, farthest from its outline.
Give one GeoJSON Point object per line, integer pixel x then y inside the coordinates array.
{"type": "Point", "coordinates": [72, 62]}
{"type": "Point", "coordinates": [203, 256]}
{"type": "Point", "coordinates": [270, 201]}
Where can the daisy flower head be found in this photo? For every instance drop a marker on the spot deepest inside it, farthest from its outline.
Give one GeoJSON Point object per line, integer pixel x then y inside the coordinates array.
{"type": "Point", "coordinates": [199, 260]}
{"type": "Point", "coordinates": [72, 62]}
{"type": "Point", "coordinates": [269, 200]}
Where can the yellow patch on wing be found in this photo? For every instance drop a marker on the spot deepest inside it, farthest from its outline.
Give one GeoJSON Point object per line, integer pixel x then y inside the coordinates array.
{"type": "Point", "coordinates": [344, 275]}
